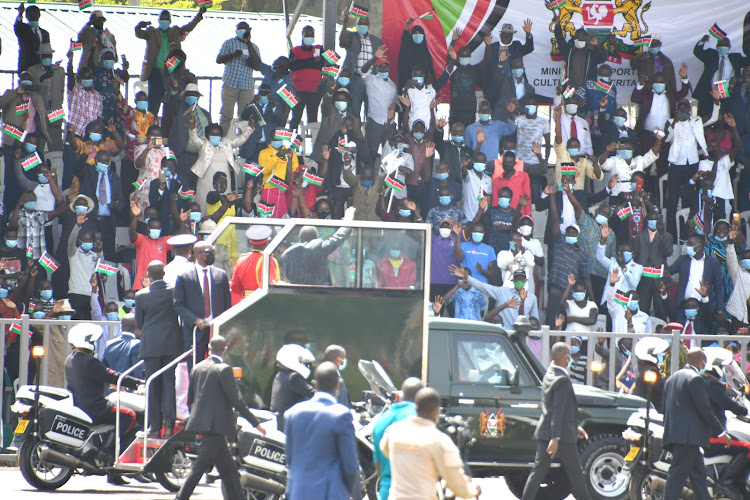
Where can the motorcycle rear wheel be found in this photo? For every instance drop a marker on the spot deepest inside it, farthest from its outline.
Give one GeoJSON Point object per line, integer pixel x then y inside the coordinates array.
{"type": "Point", "coordinates": [41, 475]}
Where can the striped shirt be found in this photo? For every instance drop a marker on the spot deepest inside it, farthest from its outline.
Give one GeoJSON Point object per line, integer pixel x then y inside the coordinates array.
{"type": "Point", "coordinates": [84, 106]}
{"type": "Point", "coordinates": [567, 259]}
{"type": "Point", "coordinates": [237, 74]}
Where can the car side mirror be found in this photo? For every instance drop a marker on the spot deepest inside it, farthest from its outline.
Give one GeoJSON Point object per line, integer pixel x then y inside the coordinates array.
{"type": "Point", "coordinates": [514, 387]}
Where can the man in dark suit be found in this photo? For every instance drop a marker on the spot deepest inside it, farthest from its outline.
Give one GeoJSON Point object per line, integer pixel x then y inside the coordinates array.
{"type": "Point", "coordinates": [453, 151]}
{"type": "Point", "coordinates": [615, 129]}
{"type": "Point", "coordinates": [102, 184]}
{"type": "Point", "coordinates": [510, 88]}
{"type": "Point", "coordinates": [273, 115]}
{"type": "Point", "coordinates": [178, 134]}
{"type": "Point", "coordinates": [688, 425]}
{"type": "Point", "coordinates": [321, 452]}
{"type": "Point", "coordinates": [652, 60]}
{"type": "Point", "coordinates": [161, 341]}
{"type": "Point", "coordinates": [30, 36]}
{"type": "Point", "coordinates": [718, 65]}
{"type": "Point", "coordinates": [557, 431]}
{"type": "Point", "coordinates": [160, 195]}
{"type": "Point", "coordinates": [197, 307]}
{"type": "Point", "coordinates": [214, 395]}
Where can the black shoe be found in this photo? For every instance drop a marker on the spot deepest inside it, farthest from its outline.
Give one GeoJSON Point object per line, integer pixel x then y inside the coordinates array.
{"type": "Point", "coordinates": [168, 431]}
{"type": "Point", "coordinates": [117, 480]}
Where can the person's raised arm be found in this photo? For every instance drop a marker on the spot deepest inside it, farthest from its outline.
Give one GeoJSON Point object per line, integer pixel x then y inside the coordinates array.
{"type": "Point", "coordinates": [457, 250]}
{"type": "Point", "coordinates": [193, 22]}
{"type": "Point", "coordinates": [573, 201]}
{"type": "Point", "coordinates": [553, 210]}
{"type": "Point", "coordinates": [566, 293]}
{"type": "Point", "coordinates": [135, 211]}
{"type": "Point", "coordinates": [558, 128]}
{"type": "Point", "coordinates": [736, 141]}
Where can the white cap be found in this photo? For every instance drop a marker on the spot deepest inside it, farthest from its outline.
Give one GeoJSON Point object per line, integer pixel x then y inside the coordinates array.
{"type": "Point", "coordinates": [182, 240]}
{"type": "Point", "coordinates": [258, 233]}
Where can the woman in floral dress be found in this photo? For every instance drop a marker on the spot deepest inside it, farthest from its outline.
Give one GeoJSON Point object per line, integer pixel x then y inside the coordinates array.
{"type": "Point", "coordinates": [148, 158]}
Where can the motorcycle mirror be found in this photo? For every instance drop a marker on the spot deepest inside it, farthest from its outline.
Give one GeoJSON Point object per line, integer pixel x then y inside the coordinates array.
{"type": "Point", "coordinates": [237, 371]}
{"type": "Point", "coordinates": [597, 366]}
{"type": "Point", "coordinates": [37, 351]}
{"type": "Point", "coordinates": [650, 377]}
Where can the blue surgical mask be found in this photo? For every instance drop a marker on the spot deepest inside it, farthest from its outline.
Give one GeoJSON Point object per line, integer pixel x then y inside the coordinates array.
{"type": "Point", "coordinates": [571, 240]}
{"type": "Point", "coordinates": [720, 239]}
{"type": "Point", "coordinates": [484, 117]}
{"type": "Point", "coordinates": [87, 246]}
{"type": "Point", "coordinates": [344, 81]}
{"type": "Point", "coordinates": [395, 254]}
{"type": "Point", "coordinates": [263, 100]}
{"type": "Point", "coordinates": [113, 316]}
{"type": "Point", "coordinates": [745, 263]}
{"type": "Point", "coordinates": [30, 206]}
{"type": "Point", "coordinates": [4, 293]}
{"type": "Point", "coordinates": [477, 237]}
{"type": "Point", "coordinates": [340, 106]}
{"type": "Point", "coordinates": [579, 297]}
{"type": "Point", "coordinates": [164, 24]}
{"type": "Point", "coordinates": [342, 366]}
{"type": "Point", "coordinates": [38, 314]}
{"type": "Point", "coordinates": [308, 41]}
{"type": "Point", "coordinates": [34, 24]}
{"type": "Point", "coordinates": [108, 64]}
{"type": "Point", "coordinates": [168, 174]}
{"type": "Point", "coordinates": [503, 202]}
{"type": "Point", "coordinates": [196, 216]}
{"type": "Point", "coordinates": [575, 349]}
{"type": "Point", "coordinates": [619, 121]}
{"type": "Point", "coordinates": [46, 62]}
{"type": "Point", "coordinates": [628, 256]}
{"type": "Point", "coordinates": [722, 50]}
{"type": "Point", "coordinates": [65, 317]}
{"type": "Point", "coordinates": [518, 72]}
{"type": "Point", "coordinates": [600, 219]}
{"type": "Point", "coordinates": [30, 148]}
{"type": "Point", "coordinates": [659, 87]}
{"type": "Point", "coordinates": [87, 83]}
{"type": "Point", "coordinates": [691, 313]}
{"type": "Point", "coordinates": [102, 168]}
{"type": "Point", "coordinates": [276, 144]}
{"type": "Point", "coordinates": [479, 167]}
{"type": "Point", "coordinates": [464, 61]}
{"type": "Point", "coordinates": [27, 83]}
{"type": "Point", "coordinates": [141, 105]}
{"type": "Point", "coordinates": [625, 154]}
{"type": "Point", "coordinates": [81, 209]}
{"type": "Point", "coordinates": [154, 233]}
{"type": "Point", "coordinates": [531, 109]}
{"type": "Point", "coordinates": [458, 139]}
{"type": "Point", "coordinates": [559, 187]}
{"type": "Point", "coordinates": [633, 305]}
{"type": "Point", "coordinates": [367, 184]}
{"type": "Point", "coordinates": [95, 136]}
{"type": "Point", "coordinates": [652, 224]}
{"type": "Point", "coordinates": [404, 212]}
{"type": "Point", "coordinates": [214, 140]}
{"type": "Point", "coordinates": [418, 80]}
{"type": "Point", "coordinates": [191, 99]}
{"type": "Point", "coordinates": [441, 176]}
{"type": "Point", "coordinates": [573, 151]}
{"type": "Point", "coordinates": [42, 179]}
{"type": "Point", "coordinates": [512, 246]}
{"type": "Point", "coordinates": [129, 303]}
{"type": "Point", "coordinates": [709, 192]}
{"type": "Point", "coordinates": [418, 135]}
{"type": "Point", "coordinates": [45, 294]}
{"type": "Point", "coordinates": [11, 243]}
{"type": "Point", "coordinates": [605, 79]}
{"type": "Point", "coordinates": [240, 33]}
{"type": "Point", "coordinates": [690, 251]}
{"type": "Point", "coordinates": [445, 200]}
{"type": "Point", "coordinates": [633, 186]}
{"type": "Point", "coordinates": [654, 50]}
{"type": "Point", "coordinates": [363, 29]}
{"type": "Point", "coordinates": [383, 75]}
{"type": "Point", "coordinates": [417, 38]}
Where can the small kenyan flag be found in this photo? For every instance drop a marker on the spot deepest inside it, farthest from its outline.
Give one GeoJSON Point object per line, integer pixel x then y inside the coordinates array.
{"type": "Point", "coordinates": [14, 132]}
{"type": "Point", "coordinates": [341, 148]}
{"type": "Point", "coordinates": [30, 252]}
{"type": "Point", "coordinates": [170, 154]}
{"type": "Point", "coordinates": [359, 11]}
{"type": "Point", "coordinates": [625, 212]}
{"type": "Point", "coordinates": [190, 110]}
{"type": "Point", "coordinates": [312, 178]}
{"type": "Point", "coordinates": [22, 108]}
{"type": "Point", "coordinates": [428, 15]}
{"type": "Point", "coordinates": [602, 85]}
{"type": "Point", "coordinates": [556, 4]}
{"type": "Point", "coordinates": [653, 272]}
{"type": "Point", "coordinates": [48, 262]}
{"type": "Point", "coordinates": [621, 299]}
{"type": "Point", "coordinates": [644, 41]}
{"type": "Point", "coordinates": [287, 96]}
{"type": "Point", "coordinates": [717, 32]}
{"type": "Point", "coordinates": [265, 208]}
{"type": "Point", "coordinates": [332, 57]}
{"type": "Point", "coordinates": [278, 183]}
{"type": "Point", "coordinates": [568, 168]}
{"type": "Point", "coordinates": [331, 71]}
{"type": "Point", "coordinates": [723, 88]}
{"type": "Point", "coordinates": [394, 184]}
{"type": "Point", "coordinates": [563, 74]}
{"type": "Point", "coordinates": [85, 4]}
{"type": "Point", "coordinates": [32, 307]}
{"type": "Point", "coordinates": [104, 268]}
{"type": "Point", "coordinates": [75, 46]}
{"type": "Point", "coordinates": [15, 328]}
{"type": "Point", "coordinates": [252, 169]}
{"type": "Point", "coordinates": [31, 162]}
{"type": "Point", "coordinates": [569, 92]}
{"type": "Point", "coordinates": [172, 64]}
{"type": "Point", "coordinates": [185, 194]}
{"type": "Point", "coordinates": [138, 185]}
{"type": "Point", "coordinates": [282, 135]}
{"type": "Point", "coordinates": [297, 144]}
{"type": "Point", "coordinates": [56, 116]}
{"type": "Point", "coordinates": [698, 223]}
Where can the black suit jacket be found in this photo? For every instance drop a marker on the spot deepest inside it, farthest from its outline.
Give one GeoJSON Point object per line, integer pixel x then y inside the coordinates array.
{"type": "Point", "coordinates": [711, 274]}
{"type": "Point", "coordinates": [452, 155]}
{"type": "Point", "coordinates": [543, 204]}
{"type": "Point", "coordinates": [188, 296]}
{"type": "Point", "coordinates": [688, 419]}
{"type": "Point", "coordinates": [156, 318]}
{"type": "Point", "coordinates": [163, 202]}
{"type": "Point", "coordinates": [710, 60]}
{"type": "Point", "coordinates": [28, 45]}
{"type": "Point", "coordinates": [559, 408]}
{"type": "Point", "coordinates": [89, 179]}
{"type": "Point", "coordinates": [213, 393]}
{"type": "Point", "coordinates": [610, 134]}
{"type": "Point", "coordinates": [507, 92]}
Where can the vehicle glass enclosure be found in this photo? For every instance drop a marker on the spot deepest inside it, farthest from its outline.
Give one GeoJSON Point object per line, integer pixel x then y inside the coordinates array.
{"type": "Point", "coordinates": [487, 360]}
{"type": "Point", "coordinates": [357, 284]}
{"type": "Point", "coordinates": [379, 381]}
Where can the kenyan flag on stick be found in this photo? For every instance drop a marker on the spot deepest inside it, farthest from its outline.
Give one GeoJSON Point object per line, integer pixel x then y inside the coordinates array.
{"type": "Point", "coordinates": [332, 57]}
{"type": "Point", "coordinates": [252, 169]}
{"type": "Point", "coordinates": [85, 4]}
{"type": "Point", "coordinates": [698, 223]}
{"type": "Point", "coordinates": [568, 168]}
{"type": "Point", "coordinates": [568, 93]}
{"type": "Point", "coordinates": [312, 178]}
{"type": "Point", "coordinates": [14, 132]}
{"type": "Point", "coordinates": [56, 116]}
{"type": "Point", "coordinates": [428, 15]}
{"type": "Point", "coordinates": [22, 108]}
{"type": "Point", "coordinates": [331, 71]}
{"type": "Point", "coordinates": [358, 11]}
{"type": "Point", "coordinates": [170, 154]}
{"type": "Point", "coordinates": [172, 64]}
{"type": "Point", "coordinates": [287, 96]}
{"type": "Point", "coordinates": [644, 41]}
{"type": "Point", "coordinates": [556, 4]}
{"type": "Point", "coordinates": [138, 185]}
{"type": "Point", "coordinates": [104, 268]}
{"type": "Point", "coordinates": [185, 194]}
{"type": "Point", "coordinates": [717, 32]}
{"type": "Point", "coordinates": [31, 162]}
{"type": "Point", "coordinates": [723, 88]}
{"type": "Point", "coordinates": [15, 328]}
{"type": "Point", "coordinates": [265, 208]}
{"type": "Point", "coordinates": [625, 212]}
{"type": "Point", "coordinates": [602, 85]}
{"type": "Point", "coordinates": [282, 135]}
{"type": "Point", "coordinates": [394, 184]}
{"type": "Point", "coordinates": [297, 144]}
{"type": "Point", "coordinates": [48, 262]}
{"type": "Point", "coordinates": [30, 252]}
{"type": "Point", "coordinates": [278, 183]}
{"type": "Point", "coordinates": [653, 272]}
{"type": "Point", "coordinates": [621, 299]}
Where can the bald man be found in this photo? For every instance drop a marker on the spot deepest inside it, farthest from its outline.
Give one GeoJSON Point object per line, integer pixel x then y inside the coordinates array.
{"type": "Point", "coordinates": [161, 342]}
{"type": "Point", "coordinates": [337, 355]}
{"type": "Point", "coordinates": [557, 432]}
{"type": "Point", "coordinates": [689, 423]}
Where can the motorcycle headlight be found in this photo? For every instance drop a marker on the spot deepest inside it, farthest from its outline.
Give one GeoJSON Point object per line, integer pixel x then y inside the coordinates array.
{"type": "Point", "coordinates": [20, 408]}
{"type": "Point", "coordinates": [631, 435]}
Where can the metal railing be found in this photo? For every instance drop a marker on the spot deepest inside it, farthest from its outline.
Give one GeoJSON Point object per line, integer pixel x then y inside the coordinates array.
{"type": "Point", "coordinates": [117, 415]}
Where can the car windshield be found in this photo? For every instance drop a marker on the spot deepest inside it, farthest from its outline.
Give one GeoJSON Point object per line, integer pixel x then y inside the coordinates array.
{"type": "Point", "coordinates": [488, 361]}
{"type": "Point", "coordinates": [379, 381]}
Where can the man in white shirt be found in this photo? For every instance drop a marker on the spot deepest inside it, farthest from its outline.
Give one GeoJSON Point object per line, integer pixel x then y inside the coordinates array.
{"type": "Point", "coordinates": [573, 125]}
{"type": "Point", "coordinates": [381, 94]}
{"type": "Point", "coordinates": [629, 271]}
{"type": "Point", "coordinates": [624, 164]}
{"type": "Point", "coordinates": [418, 100]}
{"type": "Point", "coordinates": [182, 246]}
{"type": "Point", "coordinates": [624, 309]}
{"type": "Point", "coordinates": [476, 184]}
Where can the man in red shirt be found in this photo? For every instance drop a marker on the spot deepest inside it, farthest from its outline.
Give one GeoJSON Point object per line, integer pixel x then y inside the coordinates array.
{"type": "Point", "coordinates": [306, 65]}
{"type": "Point", "coordinates": [248, 273]}
{"type": "Point", "coordinates": [517, 181]}
{"type": "Point", "coordinates": [147, 248]}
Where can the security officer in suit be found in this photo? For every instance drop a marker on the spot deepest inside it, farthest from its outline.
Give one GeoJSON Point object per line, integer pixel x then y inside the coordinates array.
{"type": "Point", "coordinates": [557, 431]}
{"type": "Point", "coordinates": [161, 342]}
{"type": "Point", "coordinates": [689, 423]}
{"type": "Point", "coordinates": [213, 395]}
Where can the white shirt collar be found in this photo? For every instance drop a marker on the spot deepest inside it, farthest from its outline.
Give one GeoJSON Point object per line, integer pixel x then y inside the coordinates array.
{"type": "Point", "coordinates": [201, 268]}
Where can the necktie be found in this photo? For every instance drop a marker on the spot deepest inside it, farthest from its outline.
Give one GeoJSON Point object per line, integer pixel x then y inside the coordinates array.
{"type": "Point", "coordinates": [198, 125]}
{"type": "Point", "coordinates": [573, 128]}
{"type": "Point", "coordinates": [38, 34]}
{"type": "Point", "coordinates": [102, 190]}
{"type": "Point", "coordinates": [206, 294]}
{"type": "Point", "coordinates": [720, 73]}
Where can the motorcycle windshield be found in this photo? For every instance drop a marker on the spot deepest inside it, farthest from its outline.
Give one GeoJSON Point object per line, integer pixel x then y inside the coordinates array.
{"type": "Point", "coordinates": [379, 381]}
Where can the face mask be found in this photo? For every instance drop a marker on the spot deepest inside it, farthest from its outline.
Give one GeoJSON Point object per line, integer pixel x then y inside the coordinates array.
{"type": "Point", "coordinates": [38, 314]}
{"type": "Point", "coordinates": [340, 105]}
{"type": "Point", "coordinates": [512, 246]}
{"type": "Point", "coordinates": [30, 206]}
{"type": "Point", "coordinates": [141, 105]}
{"type": "Point", "coordinates": [47, 62]}
{"type": "Point", "coordinates": [571, 240]}
{"type": "Point", "coordinates": [571, 109]}
{"type": "Point", "coordinates": [108, 64]}
{"type": "Point", "coordinates": [343, 81]}
{"type": "Point", "coordinates": [45, 294]}
{"type": "Point", "coordinates": [690, 251]}
{"type": "Point", "coordinates": [154, 233]}
{"type": "Point", "coordinates": [87, 247]}
{"type": "Point", "coordinates": [191, 99]}
{"type": "Point", "coordinates": [458, 139]}
{"type": "Point", "coordinates": [744, 262]}
{"type": "Point", "coordinates": [517, 73]}
{"type": "Point", "coordinates": [575, 349]}
{"type": "Point", "coordinates": [445, 232]}
{"type": "Point", "coordinates": [81, 209]}
{"type": "Point", "coordinates": [30, 148]}
{"type": "Point", "coordinates": [4, 293]}
{"type": "Point", "coordinates": [11, 243]}
{"type": "Point", "coordinates": [503, 202]}
{"type": "Point", "coordinates": [477, 237]}
{"type": "Point", "coordinates": [195, 216]}
{"type": "Point", "coordinates": [263, 100]}
{"type": "Point", "coordinates": [691, 313]}
{"type": "Point", "coordinates": [625, 154]}
{"type": "Point", "coordinates": [628, 256]}
{"type": "Point", "coordinates": [87, 83]}
{"type": "Point", "coordinates": [484, 117]}
{"type": "Point", "coordinates": [531, 109]}
{"type": "Point", "coordinates": [464, 61]}
{"type": "Point", "coordinates": [559, 187]}
{"type": "Point", "coordinates": [164, 24]}
{"type": "Point", "coordinates": [619, 121]}
{"type": "Point", "coordinates": [308, 41]}
{"type": "Point", "coordinates": [573, 151]}
{"type": "Point", "coordinates": [276, 144]}
{"type": "Point", "coordinates": [525, 230]}
{"type": "Point", "coordinates": [240, 33]}
{"type": "Point", "coordinates": [720, 238]}
{"type": "Point", "coordinates": [418, 80]}
{"type": "Point", "coordinates": [722, 50]}
{"type": "Point", "coordinates": [445, 200]}
{"type": "Point", "coordinates": [659, 87]}
{"type": "Point", "coordinates": [633, 186]}
{"type": "Point", "coordinates": [479, 167]}
{"type": "Point", "coordinates": [363, 29]}
{"type": "Point", "coordinates": [395, 254]}
{"type": "Point", "coordinates": [417, 38]}
{"type": "Point", "coordinates": [441, 176]}
{"type": "Point", "coordinates": [401, 147]}
{"type": "Point", "coordinates": [709, 192]}
{"type": "Point", "coordinates": [519, 284]}
{"type": "Point", "coordinates": [600, 219]}
{"type": "Point", "coordinates": [95, 136]}
{"type": "Point", "coordinates": [342, 366]}
{"type": "Point", "coordinates": [42, 179]}
{"type": "Point", "coordinates": [418, 135]}
{"type": "Point", "coordinates": [129, 303]}
{"type": "Point", "coordinates": [383, 75]}
{"type": "Point", "coordinates": [168, 174]}
{"type": "Point", "coordinates": [210, 259]}
{"type": "Point", "coordinates": [113, 316]}
{"type": "Point", "coordinates": [654, 50]}
{"type": "Point", "coordinates": [579, 296]}
{"type": "Point", "coordinates": [652, 225]}
{"type": "Point", "coordinates": [580, 44]}
{"type": "Point", "coordinates": [633, 305]}
{"type": "Point", "coordinates": [65, 317]}
{"type": "Point", "coordinates": [34, 24]}
{"type": "Point", "coordinates": [214, 140]}
{"type": "Point", "coordinates": [404, 212]}
{"type": "Point", "coordinates": [102, 167]}
{"type": "Point", "coordinates": [368, 183]}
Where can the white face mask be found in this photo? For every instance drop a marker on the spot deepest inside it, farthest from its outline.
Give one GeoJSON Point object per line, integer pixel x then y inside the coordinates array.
{"type": "Point", "coordinates": [445, 232]}
{"type": "Point", "coordinates": [580, 44]}
{"type": "Point", "coordinates": [525, 230]}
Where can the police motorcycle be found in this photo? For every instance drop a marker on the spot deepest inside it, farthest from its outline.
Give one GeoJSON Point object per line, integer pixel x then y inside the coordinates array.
{"type": "Point", "coordinates": [56, 440]}
{"type": "Point", "coordinates": [647, 463]}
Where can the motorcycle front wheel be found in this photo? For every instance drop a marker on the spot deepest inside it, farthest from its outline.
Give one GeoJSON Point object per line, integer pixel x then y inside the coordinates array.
{"type": "Point", "coordinates": [39, 474]}
{"type": "Point", "coordinates": [250, 494]}
{"type": "Point", "coordinates": [639, 488]}
{"type": "Point", "coordinates": [174, 479]}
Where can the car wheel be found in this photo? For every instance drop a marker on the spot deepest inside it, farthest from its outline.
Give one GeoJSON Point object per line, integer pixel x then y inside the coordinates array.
{"type": "Point", "coordinates": [555, 486]}
{"type": "Point", "coordinates": [602, 459]}
{"type": "Point", "coordinates": [640, 488]}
